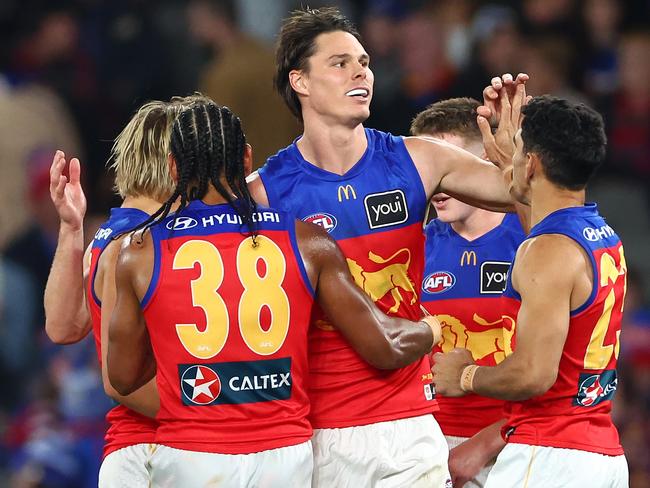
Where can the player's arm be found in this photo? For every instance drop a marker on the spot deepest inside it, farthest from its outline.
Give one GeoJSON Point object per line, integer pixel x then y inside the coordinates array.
{"type": "Point", "coordinates": [130, 360]}
{"type": "Point", "coordinates": [544, 274]}
{"type": "Point", "coordinates": [256, 189]}
{"type": "Point", "coordinates": [468, 458]}
{"type": "Point", "coordinates": [384, 342]}
{"type": "Point", "coordinates": [67, 319]}
{"type": "Point", "coordinates": [144, 400]}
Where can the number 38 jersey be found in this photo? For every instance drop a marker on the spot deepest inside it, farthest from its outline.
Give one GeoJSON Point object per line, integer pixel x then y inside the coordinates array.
{"type": "Point", "coordinates": [228, 319]}
{"type": "Point", "coordinates": [575, 412]}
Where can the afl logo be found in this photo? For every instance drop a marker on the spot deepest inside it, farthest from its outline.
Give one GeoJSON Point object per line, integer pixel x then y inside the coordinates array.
{"type": "Point", "coordinates": [325, 220]}
{"type": "Point", "coordinates": [438, 282]}
{"type": "Point", "coordinates": [181, 223]}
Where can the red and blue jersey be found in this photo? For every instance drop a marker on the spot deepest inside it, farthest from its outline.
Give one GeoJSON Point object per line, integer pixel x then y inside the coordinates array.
{"type": "Point", "coordinates": [228, 317]}
{"type": "Point", "coordinates": [375, 213]}
{"type": "Point", "coordinates": [125, 427]}
{"type": "Point", "coordinates": [462, 287]}
{"type": "Point", "coordinates": [575, 412]}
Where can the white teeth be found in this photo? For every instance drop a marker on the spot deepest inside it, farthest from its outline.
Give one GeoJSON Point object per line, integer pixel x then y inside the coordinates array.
{"type": "Point", "coordinates": [357, 91]}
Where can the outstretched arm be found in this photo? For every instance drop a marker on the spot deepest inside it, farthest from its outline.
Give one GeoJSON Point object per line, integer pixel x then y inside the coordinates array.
{"type": "Point", "coordinates": [130, 360]}
{"type": "Point", "coordinates": [383, 341]}
{"type": "Point", "coordinates": [67, 319]}
{"type": "Point", "coordinates": [544, 273]}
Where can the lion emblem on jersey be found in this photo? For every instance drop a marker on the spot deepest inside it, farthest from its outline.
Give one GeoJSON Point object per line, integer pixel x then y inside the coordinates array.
{"type": "Point", "coordinates": [390, 279]}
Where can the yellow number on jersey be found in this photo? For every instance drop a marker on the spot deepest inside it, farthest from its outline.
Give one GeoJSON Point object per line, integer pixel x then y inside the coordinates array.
{"type": "Point", "coordinates": [598, 353]}
{"type": "Point", "coordinates": [259, 291]}
{"type": "Point", "coordinates": [206, 344]}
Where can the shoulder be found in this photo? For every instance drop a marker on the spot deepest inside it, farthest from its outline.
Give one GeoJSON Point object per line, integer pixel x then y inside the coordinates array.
{"type": "Point", "coordinates": [257, 189]}
{"type": "Point", "coordinates": [553, 258]}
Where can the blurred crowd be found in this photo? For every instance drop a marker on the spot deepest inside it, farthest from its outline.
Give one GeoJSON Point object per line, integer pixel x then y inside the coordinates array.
{"type": "Point", "coordinates": [72, 73]}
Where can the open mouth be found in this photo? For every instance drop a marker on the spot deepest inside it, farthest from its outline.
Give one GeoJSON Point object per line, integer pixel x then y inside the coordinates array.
{"type": "Point", "coordinates": [437, 199]}
{"type": "Point", "coordinates": [361, 93]}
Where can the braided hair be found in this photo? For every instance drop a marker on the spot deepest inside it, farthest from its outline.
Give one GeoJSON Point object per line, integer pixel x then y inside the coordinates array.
{"type": "Point", "coordinates": [208, 143]}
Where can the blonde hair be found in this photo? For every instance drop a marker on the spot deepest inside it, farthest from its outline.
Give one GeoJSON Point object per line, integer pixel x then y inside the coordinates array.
{"type": "Point", "coordinates": [141, 151]}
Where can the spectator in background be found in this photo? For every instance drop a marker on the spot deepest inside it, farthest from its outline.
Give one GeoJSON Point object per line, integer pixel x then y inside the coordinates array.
{"type": "Point", "coordinates": [628, 112]}
{"type": "Point", "coordinates": [496, 43]}
{"type": "Point", "coordinates": [598, 54]}
{"type": "Point", "coordinates": [240, 76]}
{"type": "Point", "coordinates": [547, 60]}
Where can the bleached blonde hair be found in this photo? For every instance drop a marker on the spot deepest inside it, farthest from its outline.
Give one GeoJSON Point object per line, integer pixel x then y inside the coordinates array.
{"type": "Point", "coordinates": [140, 154]}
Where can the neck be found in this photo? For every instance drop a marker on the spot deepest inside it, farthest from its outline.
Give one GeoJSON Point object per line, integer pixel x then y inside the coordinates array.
{"type": "Point", "coordinates": [332, 148]}
{"type": "Point", "coordinates": [547, 198]}
{"type": "Point", "coordinates": [146, 204]}
{"type": "Point", "coordinates": [477, 224]}
{"type": "Point", "coordinates": [213, 197]}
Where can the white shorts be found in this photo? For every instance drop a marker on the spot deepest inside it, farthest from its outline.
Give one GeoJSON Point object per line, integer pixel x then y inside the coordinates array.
{"type": "Point", "coordinates": [127, 467]}
{"type": "Point", "coordinates": [522, 465]}
{"type": "Point", "coordinates": [401, 453]}
{"type": "Point", "coordinates": [479, 480]}
{"type": "Point", "coordinates": [275, 468]}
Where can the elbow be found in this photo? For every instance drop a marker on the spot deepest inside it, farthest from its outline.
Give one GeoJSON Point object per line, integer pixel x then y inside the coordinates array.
{"type": "Point", "coordinates": [119, 386]}
{"type": "Point", "coordinates": [388, 358]}
{"type": "Point", "coordinates": [59, 335]}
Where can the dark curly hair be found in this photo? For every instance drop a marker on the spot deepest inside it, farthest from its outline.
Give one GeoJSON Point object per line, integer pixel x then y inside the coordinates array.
{"type": "Point", "coordinates": [452, 116]}
{"type": "Point", "coordinates": [569, 139]}
{"type": "Point", "coordinates": [296, 44]}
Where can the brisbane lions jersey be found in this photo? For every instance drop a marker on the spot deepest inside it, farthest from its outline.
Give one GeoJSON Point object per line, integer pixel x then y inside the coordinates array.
{"type": "Point", "coordinates": [375, 213]}
{"type": "Point", "coordinates": [463, 283]}
{"type": "Point", "coordinates": [125, 427]}
{"type": "Point", "coordinates": [575, 412]}
{"type": "Point", "coordinates": [228, 317]}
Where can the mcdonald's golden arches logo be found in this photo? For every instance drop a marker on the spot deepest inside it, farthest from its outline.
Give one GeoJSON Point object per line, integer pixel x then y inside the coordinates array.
{"type": "Point", "coordinates": [467, 258]}
{"type": "Point", "coordinates": [347, 191]}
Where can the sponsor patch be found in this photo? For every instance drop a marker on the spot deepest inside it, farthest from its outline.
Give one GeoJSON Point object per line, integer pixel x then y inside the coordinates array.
{"type": "Point", "coordinates": [595, 388]}
{"type": "Point", "coordinates": [386, 208]}
{"type": "Point", "coordinates": [438, 282]}
{"type": "Point", "coordinates": [494, 276]}
{"type": "Point", "coordinates": [235, 382]}
{"type": "Point", "coordinates": [596, 234]}
{"type": "Point", "coordinates": [181, 223]}
{"type": "Point", "coordinates": [325, 220]}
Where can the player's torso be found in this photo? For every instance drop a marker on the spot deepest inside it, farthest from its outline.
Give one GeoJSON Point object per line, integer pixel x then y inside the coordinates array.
{"type": "Point", "coordinates": [462, 286]}
{"type": "Point", "coordinates": [125, 427]}
{"type": "Point", "coordinates": [228, 320]}
{"type": "Point", "coordinates": [575, 412]}
{"type": "Point", "coordinates": [375, 213]}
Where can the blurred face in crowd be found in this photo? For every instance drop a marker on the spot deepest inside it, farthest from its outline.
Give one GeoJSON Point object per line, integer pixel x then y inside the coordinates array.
{"type": "Point", "coordinates": [338, 82]}
{"type": "Point", "coordinates": [448, 208]}
{"type": "Point", "coordinates": [634, 65]}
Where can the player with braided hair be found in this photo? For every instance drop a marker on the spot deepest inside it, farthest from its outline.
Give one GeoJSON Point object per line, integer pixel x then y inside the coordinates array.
{"type": "Point", "coordinates": [215, 300]}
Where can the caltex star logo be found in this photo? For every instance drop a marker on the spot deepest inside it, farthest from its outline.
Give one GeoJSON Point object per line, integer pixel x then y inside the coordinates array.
{"type": "Point", "coordinates": [200, 385]}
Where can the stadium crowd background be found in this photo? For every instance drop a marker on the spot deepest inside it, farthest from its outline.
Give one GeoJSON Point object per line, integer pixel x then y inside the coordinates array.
{"type": "Point", "coordinates": [72, 73]}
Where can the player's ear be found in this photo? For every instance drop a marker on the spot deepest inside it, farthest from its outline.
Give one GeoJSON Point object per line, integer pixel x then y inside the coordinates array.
{"type": "Point", "coordinates": [298, 81]}
{"type": "Point", "coordinates": [533, 165]}
{"type": "Point", "coordinates": [248, 159]}
{"type": "Point", "coordinates": [173, 169]}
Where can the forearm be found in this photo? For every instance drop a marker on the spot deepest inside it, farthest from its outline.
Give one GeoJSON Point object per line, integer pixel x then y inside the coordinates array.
{"type": "Point", "coordinates": [130, 363]}
{"type": "Point", "coordinates": [67, 317]}
{"type": "Point", "coordinates": [408, 342]}
{"type": "Point", "coordinates": [144, 400]}
{"type": "Point", "coordinates": [490, 439]}
{"type": "Point", "coordinates": [509, 380]}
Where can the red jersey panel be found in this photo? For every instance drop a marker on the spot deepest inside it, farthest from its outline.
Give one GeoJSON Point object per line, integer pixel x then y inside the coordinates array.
{"type": "Point", "coordinates": [462, 287]}
{"type": "Point", "coordinates": [575, 412]}
{"type": "Point", "coordinates": [228, 321]}
{"type": "Point", "coordinates": [375, 213]}
{"type": "Point", "coordinates": [125, 427]}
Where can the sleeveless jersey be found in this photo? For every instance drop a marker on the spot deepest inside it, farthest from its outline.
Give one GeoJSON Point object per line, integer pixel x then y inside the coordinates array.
{"type": "Point", "coordinates": [375, 213]}
{"type": "Point", "coordinates": [463, 283]}
{"type": "Point", "coordinates": [575, 412]}
{"type": "Point", "coordinates": [125, 427]}
{"type": "Point", "coordinates": [228, 325]}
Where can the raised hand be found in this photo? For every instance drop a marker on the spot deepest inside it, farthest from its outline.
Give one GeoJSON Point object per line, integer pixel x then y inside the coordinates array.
{"type": "Point", "coordinates": [491, 108]}
{"type": "Point", "coordinates": [66, 193]}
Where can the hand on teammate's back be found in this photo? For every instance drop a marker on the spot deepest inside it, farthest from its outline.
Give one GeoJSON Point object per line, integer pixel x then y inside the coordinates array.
{"type": "Point", "coordinates": [66, 192]}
